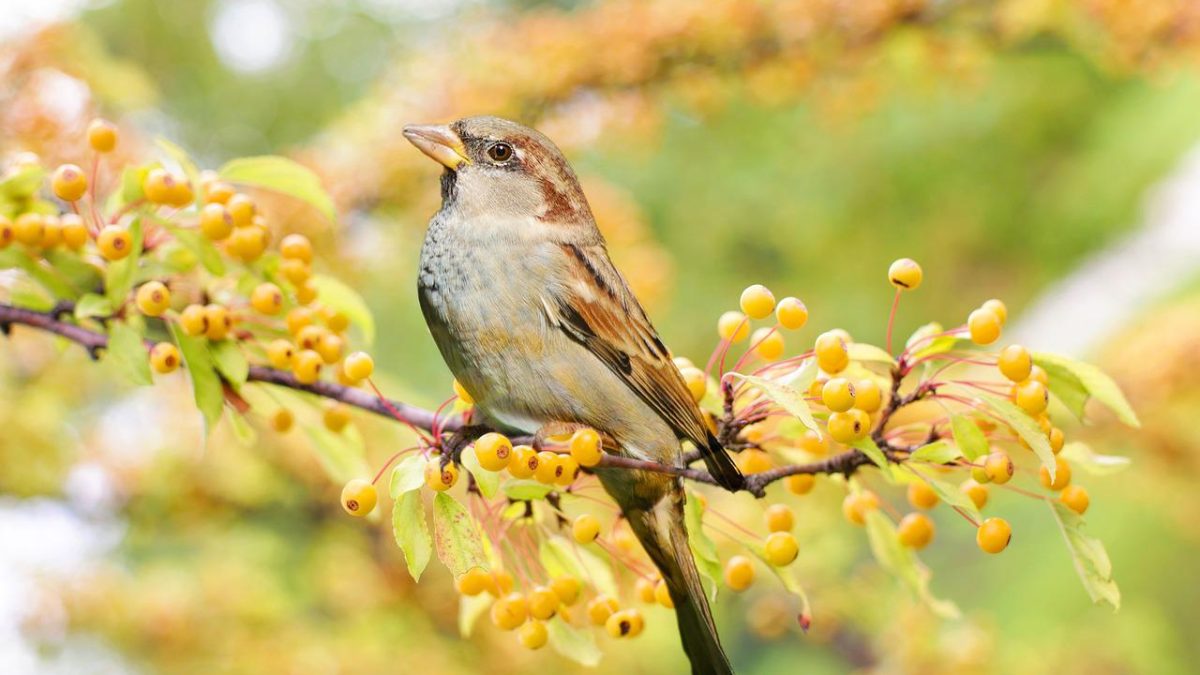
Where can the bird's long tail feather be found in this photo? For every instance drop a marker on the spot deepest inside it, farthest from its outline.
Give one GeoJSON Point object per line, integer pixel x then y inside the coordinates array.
{"type": "Point", "coordinates": [663, 535]}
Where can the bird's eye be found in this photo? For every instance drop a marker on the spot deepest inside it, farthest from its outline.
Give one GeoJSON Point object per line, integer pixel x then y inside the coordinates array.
{"type": "Point", "coordinates": [500, 152]}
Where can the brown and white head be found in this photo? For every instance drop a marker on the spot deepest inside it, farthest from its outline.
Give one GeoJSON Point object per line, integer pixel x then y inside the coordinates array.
{"type": "Point", "coordinates": [499, 169]}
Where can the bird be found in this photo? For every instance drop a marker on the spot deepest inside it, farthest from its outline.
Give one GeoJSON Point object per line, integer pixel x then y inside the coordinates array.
{"type": "Point", "coordinates": [541, 329]}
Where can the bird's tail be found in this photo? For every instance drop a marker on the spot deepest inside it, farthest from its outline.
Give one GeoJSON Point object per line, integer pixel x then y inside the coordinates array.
{"type": "Point", "coordinates": [721, 465]}
{"type": "Point", "coordinates": [663, 535]}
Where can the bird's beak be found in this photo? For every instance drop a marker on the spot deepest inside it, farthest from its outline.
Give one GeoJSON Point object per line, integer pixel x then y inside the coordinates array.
{"type": "Point", "coordinates": [439, 142]}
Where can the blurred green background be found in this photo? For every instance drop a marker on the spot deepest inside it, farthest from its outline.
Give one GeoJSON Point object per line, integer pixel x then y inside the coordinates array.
{"type": "Point", "coordinates": [803, 145]}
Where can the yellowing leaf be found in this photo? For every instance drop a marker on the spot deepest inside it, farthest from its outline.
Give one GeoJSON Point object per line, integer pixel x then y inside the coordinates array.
{"type": "Point", "coordinates": [1099, 385]}
{"type": "Point", "coordinates": [230, 361]}
{"type": "Point", "coordinates": [456, 535]}
{"type": "Point", "coordinates": [788, 392]}
{"type": "Point", "coordinates": [1026, 428]}
{"type": "Point", "coordinates": [576, 644]}
{"type": "Point", "coordinates": [488, 482]}
{"type": "Point", "coordinates": [1083, 457]}
{"type": "Point", "coordinates": [968, 437]}
{"type": "Point", "coordinates": [1091, 560]}
{"type": "Point", "coordinates": [409, 474]}
{"type": "Point", "coordinates": [561, 557]}
{"type": "Point", "coordinates": [282, 175]}
{"type": "Point", "coordinates": [902, 562]}
{"type": "Point", "coordinates": [938, 452]}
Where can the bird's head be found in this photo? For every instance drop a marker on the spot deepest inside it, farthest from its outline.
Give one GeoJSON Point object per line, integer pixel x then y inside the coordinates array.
{"type": "Point", "coordinates": [498, 168]}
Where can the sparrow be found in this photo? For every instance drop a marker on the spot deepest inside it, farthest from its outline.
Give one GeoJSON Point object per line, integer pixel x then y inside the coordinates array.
{"type": "Point", "coordinates": [543, 332]}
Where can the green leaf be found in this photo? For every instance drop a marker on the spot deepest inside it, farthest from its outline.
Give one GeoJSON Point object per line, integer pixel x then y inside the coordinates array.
{"type": "Point", "coordinates": [708, 562]}
{"type": "Point", "coordinates": [1081, 456]}
{"type": "Point", "coordinates": [788, 392]}
{"type": "Point", "coordinates": [969, 437]}
{"type": "Point", "coordinates": [947, 492]}
{"type": "Point", "coordinates": [1097, 384]}
{"type": "Point", "coordinates": [72, 269]}
{"type": "Point", "coordinates": [182, 159]}
{"type": "Point", "coordinates": [338, 296]}
{"type": "Point", "coordinates": [564, 558]}
{"type": "Point", "coordinates": [230, 362]}
{"type": "Point", "coordinates": [1067, 389]}
{"type": "Point", "coordinates": [488, 482]}
{"type": "Point", "coordinates": [90, 305]}
{"type": "Point", "coordinates": [1090, 558]}
{"type": "Point", "coordinates": [118, 278]}
{"type": "Point", "coordinates": [41, 272]}
{"type": "Point", "coordinates": [868, 447]}
{"type": "Point", "coordinates": [282, 175]}
{"type": "Point", "coordinates": [526, 490]}
{"type": "Point", "coordinates": [931, 347]}
{"type": "Point", "coordinates": [408, 475]}
{"type": "Point", "coordinates": [938, 452]}
{"type": "Point", "coordinates": [128, 353]}
{"type": "Point", "coordinates": [341, 454]}
{"type": "Point", "coordinates": [576, 644]}
{"type": "Point", "coordinates": [206, 386]}
{"type": "Point", "coordinates": [470, 608]}
{"type": "Point", "coordinates": [203, 249]}
{"type": "Point", "coordinates": [456, 536]}
{"type": "Point", "coordinates": [23, 183]}
{"type": "Point", "coordinates": [1026, 428]}
{"type": "Point", "coordinates": [412, 532]}
{"type": "Point", "coordinates": [860, 351]}
{"type": "Point", "coordinates": [903, 563]}
{"type": "Point", "coordinates": [242, 431]}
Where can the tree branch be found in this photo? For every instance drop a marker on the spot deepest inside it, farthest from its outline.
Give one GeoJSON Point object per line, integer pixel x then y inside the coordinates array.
{"type": "Point", "coordinates": [845, 463]}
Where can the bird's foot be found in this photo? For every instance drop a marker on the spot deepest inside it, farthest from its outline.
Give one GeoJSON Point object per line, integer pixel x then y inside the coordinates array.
{"type": "Point", "coordinates": [453, 446]}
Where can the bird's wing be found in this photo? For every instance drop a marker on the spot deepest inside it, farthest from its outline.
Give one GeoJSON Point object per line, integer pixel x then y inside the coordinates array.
{"type": "Point", "coordinates": [595, 307]}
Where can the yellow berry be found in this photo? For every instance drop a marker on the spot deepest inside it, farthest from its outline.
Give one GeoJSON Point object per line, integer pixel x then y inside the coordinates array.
{"type": "Point", "coordinates": [838, 394]}
{"type": "Point", "coordinates": [801, 483]}
{"type": "Point", "coordinates": [905, 274]}
{"type": "Point", "coordinates": [493, 451]}
{"type": "Point", "coordinates": [1075, 497]}
{"type": "Point", "coordinates": [757, 301]}
{"type": "Point", "coordinates": [791, 313]}
{"type": "Point", "coordinates": [153, 298]}
{"type": "Point", "coordinates": [753, 460]}
{"type": "Point", "coordinates": [1062, 475]}
{"type": "Point", "coordinates": [502, 583]}
{"type": "Point", "coordinates": [662, 595]}
{"type": "Point", "coordinates": [330, 346]}
{"type": "Point", "coordinates": [102, 135]}
{"type": "Point", "coordinates": [533, 635]}
{"type": "Point", "coordinates": [921, 496]}
{"type": "Point", "coordinates": [566, 471]}
{"type": "Point", "coordinates": [976, 492]}
{"type": "Point", "coordinates": [585, 528]}
{"type": "Point", "coordinates": [282, 420]}
{"type": "Point", "coordinates": [359, 497]}
{"type": "Point", "coordinates": [1031, 396]}
{"type": "Point", "coordinates": [164, 357]}
{"type": "Point", "coordinates": [74, 231]}
{"type": "Point", "coordinates": [473, 582]}
{"type": "Point", "coordinates": [218, 192]}
{"type": "Point", "coordinates": [984, 326]}
{"type": "Point", "coordinates": [998, 308]}
{"type": "Point", "coordinates": [547, 467]}
{"type": "Point", "coordinates": [51, 232]}
{"type": "Point", "coordinates": [625, 623]}
{"type": "Point", "coordinates": [832, 353]}
{"type": "Point", "coordinates": [297, 319]}
{"type": "Point", "coordinates": [159, 186]}
{"type": "Point", "coordinates": [248, 243]}
{"type": "Point", "coordinates": [336, 417]}
{"type": "Point", "coordinates": [542, 602]}
{"type": "Point", "coordinates": [915, 530]}
{"type": "Point", "coordinates": [306, 366]}
{"type": "Point", "coordinates": [69, 183]}
{"type": "Point", "coordinates": [768, 343]}
{"type": "Point", "coordinates": [29, 228]}
{"type": "Point", "coordinates": [309, 336]}
{"type": "Point", "coordinates": [181, 193]}
{"type": "Point", "coordinates": [856, 505]}
{"type": "Point", "coordinates": [295, 271]}
{"type": "Point", "coordinates": [1015, 363]}
{"type": "Point", "coordinates": [739, 573]}
{"type": "Point", "coordinates": [219, 322]}
{"type": "Point", "coordinates": [306, 293]}
{"type": "Point", "coordinates": [1038, 374]}
{"type": "Point", "coordinates": [462, 394]}
{"type": "Point", "coordinates": [780, 518]}
{"type": "Point", "coordinates": [215, 222]}
{"type": "Point", "coordinates": [296, 247]}
{"type": "Point", "coordinates": [335, 320]}
{"type": "Point", "coordinates": [280, 353]}
{"type": "Point", "coordinates": [999, 467]}
{"type": "Point", "coordinates": [696, 381]}
{"type": "Point", "coordinates": [194, 320]}
{"type": "Point", "coordinates": [523, 462]}
{"type": "Point", "coordinates": [849, 426]}
{"type": "Point", "coordinates": [114, 242]}
{"type": "Point", "coordinates": [440, 478]}
{"type": "Point", "coordinates": [358, 366]}
{"type": "Point", "coordinates": [868, 397]}
{"type": "Point", "coordinates": [242, 209]}
{"type": "Point", "coordinates": [993, 535]}
{"type": "Point", "coordinates": [733, 327]}
{"type": "Point", "coordinates": [600, 608]}
{"type": "Point", "coordinates": [1056, 438]}
{"type": "Point", "coordinates": [567, 589]}
{"type": "Point", "coordinates": [780, 548]}
{"type": "Point", "coordinates": [586, 447]}
{"type": "Point", "coordinates": [509, 612]}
